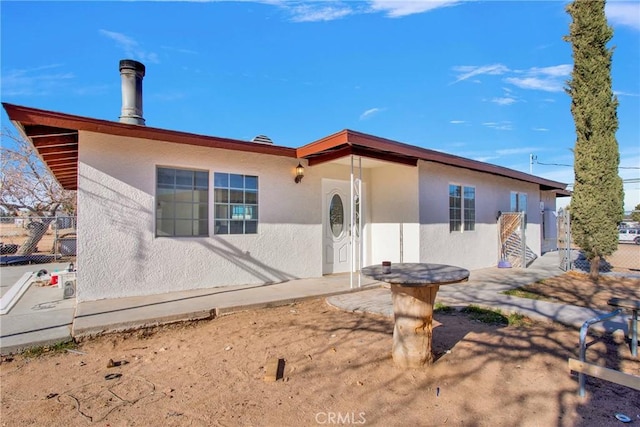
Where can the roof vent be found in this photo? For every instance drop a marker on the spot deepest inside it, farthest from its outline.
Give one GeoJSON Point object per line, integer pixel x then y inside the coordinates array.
{"type": "Point", "coordinates": [262, 139]}
{"type": "Point", "coordinates": [131, 75]}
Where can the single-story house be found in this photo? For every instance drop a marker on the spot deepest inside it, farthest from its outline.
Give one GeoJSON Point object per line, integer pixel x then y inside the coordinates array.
{"type": "Point", "coordinates": [161, 210]}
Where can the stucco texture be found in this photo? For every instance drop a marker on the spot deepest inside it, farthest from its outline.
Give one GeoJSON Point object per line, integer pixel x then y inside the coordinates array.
{"type": "Point", "coordinates": [120, 255]}
{"type": "Point", "coordinates": [478, 248]}
{"type": "Point", "coordinates": [405, 218]}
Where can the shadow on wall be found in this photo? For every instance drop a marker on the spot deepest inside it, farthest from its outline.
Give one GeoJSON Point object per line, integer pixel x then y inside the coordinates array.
{"type": "Point", "coordinates": [119, 209]}
{"type": "Point", "coordinates": [244, 261]}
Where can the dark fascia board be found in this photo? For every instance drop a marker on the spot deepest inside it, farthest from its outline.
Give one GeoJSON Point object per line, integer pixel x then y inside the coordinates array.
{"type": "Point", "coordinates": [371, 142]}
{"type": "Point", "coordinates": [34, 116]}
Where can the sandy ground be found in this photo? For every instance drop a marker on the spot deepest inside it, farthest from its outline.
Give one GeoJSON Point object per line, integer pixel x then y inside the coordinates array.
{"type": "Point", "coordinates": [577, 289]}
{"type": "Point", "coordinates": [337, 371]}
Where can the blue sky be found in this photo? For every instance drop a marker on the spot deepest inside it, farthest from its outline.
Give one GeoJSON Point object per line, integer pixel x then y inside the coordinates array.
{"type": "Point", "coordinates": [482, 80]}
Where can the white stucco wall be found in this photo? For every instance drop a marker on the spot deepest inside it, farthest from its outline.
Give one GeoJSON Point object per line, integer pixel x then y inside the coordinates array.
{"type": "Point", "coordinates": [469, 249]}
{"type": "Point", "coordinates": [390, 204]}
{"type": "Point", "coordinates": [119, 254]}
{"type": "Point", "coordinates": [394, 214]}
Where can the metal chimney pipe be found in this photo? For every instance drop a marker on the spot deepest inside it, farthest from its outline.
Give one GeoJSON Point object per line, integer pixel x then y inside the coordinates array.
{"type": "Point", "coordinates": [131, 74]}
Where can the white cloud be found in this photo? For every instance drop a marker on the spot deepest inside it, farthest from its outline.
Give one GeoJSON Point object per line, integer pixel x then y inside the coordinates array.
{"type": "Point", "coordinates": [457, 122]}
{"type": "Point", "coordinates": [548, 79]}
{"type": "Point", "coordinates": [312, 13]}
{"type": "Point", "coordinates": [624, 14]}
{"type": "Point", "coordinates": [399, 8]}
{"type": "Point", "coordinates": [561, 70]}
{"type": "Point", "coordinates": [619, 13]}
{"type": "Point", "coordinates": [467, 71]}
{"type": "Point", "coordinates": [370, 112]}
{"type": "Point", "coordinates": [180, 50]}
{"type": "Point", "coordinates": [131, 47]}
{"type": "Point", "coordinates": [621, 93]}
{"type": "Point", "coordinates": [504, 125]}
{"type": "Point", "coordinates": [485, 159]}
{"type": "Point", "coordinates": [535, 83]}
{"type": "Point", "coordinates": [507, 100]}
{"type": "Point", "coordinates": [318, 11]}
{"type": "Point", "coordinates": [540, 129]}
{"type": "Point", "coordinates": [38, 81]}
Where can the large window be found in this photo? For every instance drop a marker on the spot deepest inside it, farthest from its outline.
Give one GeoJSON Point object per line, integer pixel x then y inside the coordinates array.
{"type": "Point", "coordinates": [236, 203]}
{"type": "Point", "coordinates": [462, 208]}
{"type": "Point", "coordinates": [182, 202]}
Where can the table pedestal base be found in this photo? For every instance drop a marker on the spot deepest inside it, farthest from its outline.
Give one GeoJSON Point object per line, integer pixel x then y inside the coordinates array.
{"type": "Point", "coordinates": [413, 311]}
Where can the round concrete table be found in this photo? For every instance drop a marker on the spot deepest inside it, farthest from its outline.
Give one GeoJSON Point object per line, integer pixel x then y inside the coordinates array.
{"type": "Point", "coordinates": [413, 291]}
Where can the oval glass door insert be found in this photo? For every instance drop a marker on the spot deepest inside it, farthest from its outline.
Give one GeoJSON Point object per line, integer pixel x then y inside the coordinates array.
{"type": "Point", "coordinates": [336, 215]}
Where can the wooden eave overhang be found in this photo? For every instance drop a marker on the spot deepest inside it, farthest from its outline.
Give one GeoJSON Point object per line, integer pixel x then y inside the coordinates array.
{"type": "Point", "coordinates": [55, 137]}
{"type": "Point", "coordinates": [348, 142]}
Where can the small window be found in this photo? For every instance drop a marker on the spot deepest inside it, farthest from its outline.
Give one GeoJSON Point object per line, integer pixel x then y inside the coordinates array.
{"type": "Point", "coordinates": [236, 203]}
{"type": "Point", "coordinates": [182, 202]}
{"type": "Point", "coordinates": [519, 204]}
{"type": "Point", "coordinates": [462, 208]}
{"type": "Point", "coordinates": [469, 212]}
{"type": "Point", "coordinates": [336, 216]}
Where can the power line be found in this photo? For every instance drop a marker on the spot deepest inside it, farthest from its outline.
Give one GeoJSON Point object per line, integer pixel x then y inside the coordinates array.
{"type": "Point", "coordinates": [534, 159]}
{"type": "Point", "coordinates": [552, 164]}
{"type": "Point", "coordinates": [624, 181]}
{"type": "Point", "coordinates": [560, 164]}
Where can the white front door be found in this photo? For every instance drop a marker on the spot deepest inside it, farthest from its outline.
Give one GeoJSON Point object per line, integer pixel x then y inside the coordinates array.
{"type": "Point", "coordinates": [336, 219]}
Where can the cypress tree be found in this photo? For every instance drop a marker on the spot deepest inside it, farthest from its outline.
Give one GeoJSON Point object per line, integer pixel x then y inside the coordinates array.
{"type": "Point", "coordinates": [635, 215]}
{"type": "Point", "coordinates": [597, 202]}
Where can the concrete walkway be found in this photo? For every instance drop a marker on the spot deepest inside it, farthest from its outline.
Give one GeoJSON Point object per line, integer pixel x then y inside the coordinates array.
{"type": "Point", "coordinates": [95, 317]}
{"type": "Point", "coordinates": [484, 290]}
{"type": "Point", "coordinates": [42, 316]}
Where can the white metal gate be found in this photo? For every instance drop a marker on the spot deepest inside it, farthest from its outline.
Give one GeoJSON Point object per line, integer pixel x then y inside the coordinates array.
{"type": "Point", "coordinates": [564, 239]}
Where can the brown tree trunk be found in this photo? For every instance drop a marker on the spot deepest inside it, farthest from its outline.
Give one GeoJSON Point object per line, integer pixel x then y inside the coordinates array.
{"type": "Point", "coordinates": [594, 270]}
{"type": "Point", "coordinates": [413, 330]}
{"type": "Point", "coordinates": [37, 229]}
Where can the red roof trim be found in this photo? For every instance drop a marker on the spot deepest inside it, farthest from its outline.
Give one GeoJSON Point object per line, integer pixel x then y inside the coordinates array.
{"type": "Point", "coordinates": [48, 129]}
{"type": "Point", "coordinates": [393, 148]}
{"type": "Point", "coordinates": [34, 116]}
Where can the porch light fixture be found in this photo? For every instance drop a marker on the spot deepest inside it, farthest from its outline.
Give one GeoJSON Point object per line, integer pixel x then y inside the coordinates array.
{"type": "Point", "coordinates": [299, 173]}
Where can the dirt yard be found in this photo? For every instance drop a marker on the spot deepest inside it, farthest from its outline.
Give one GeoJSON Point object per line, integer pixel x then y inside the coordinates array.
{"type": "Point", "coordinates": [577, 289]}
{"type": "Point", "coordinates": [338, 371]}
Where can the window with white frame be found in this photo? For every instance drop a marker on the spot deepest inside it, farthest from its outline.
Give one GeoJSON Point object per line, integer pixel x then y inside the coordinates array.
{"type": "Point", "coordinates": [462, 208]}
{"type": "Point", "coordinates": [236, 203]}
{"type": "Point", "coordinates": [182, 202]}
{"type": "Point", "coordinates": [518, 202]}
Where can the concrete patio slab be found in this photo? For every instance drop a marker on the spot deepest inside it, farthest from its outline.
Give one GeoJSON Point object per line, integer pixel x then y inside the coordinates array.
{"type": "Point", "coordinates": [42, 316]}
{"type": "Point", "coordinates": [96, 317]}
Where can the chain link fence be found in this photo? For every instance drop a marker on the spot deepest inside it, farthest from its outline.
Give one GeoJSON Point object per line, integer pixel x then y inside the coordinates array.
{"type": "Point", "coordinates": [625, 260]}
{"type": "Point", "coordinates": [36, 240]}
